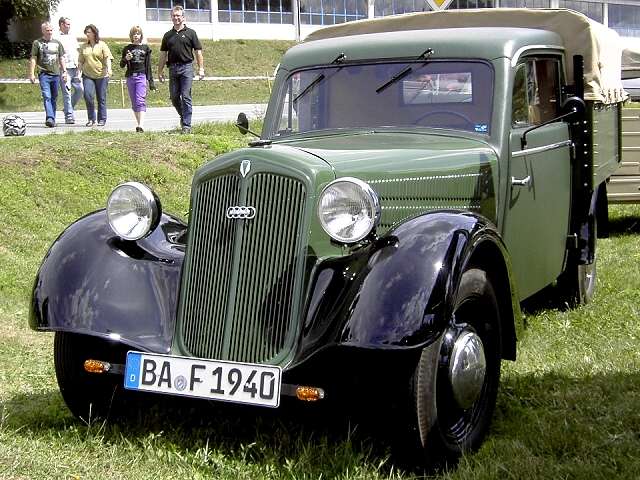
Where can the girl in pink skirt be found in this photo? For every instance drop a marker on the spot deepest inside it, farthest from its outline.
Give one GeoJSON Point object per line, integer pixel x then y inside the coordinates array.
{"type": "Point", "coordinates": [136, 57]}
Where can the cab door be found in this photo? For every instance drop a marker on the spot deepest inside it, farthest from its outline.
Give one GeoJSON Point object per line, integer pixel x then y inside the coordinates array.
{"type": "Point", "coordinates": [537, 212]}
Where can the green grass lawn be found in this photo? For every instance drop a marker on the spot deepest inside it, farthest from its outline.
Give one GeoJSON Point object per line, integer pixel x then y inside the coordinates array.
{"type": "Point", "coordinates": [567, 409]}
{"type": "Point", "coordinates": [223, 58]}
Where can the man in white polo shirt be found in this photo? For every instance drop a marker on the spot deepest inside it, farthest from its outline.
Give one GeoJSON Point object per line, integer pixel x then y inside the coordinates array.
{"type": "Point", "coordinates": [71, 89]}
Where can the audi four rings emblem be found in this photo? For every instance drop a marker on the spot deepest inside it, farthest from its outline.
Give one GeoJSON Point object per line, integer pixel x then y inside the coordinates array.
{"type": "Point", "coordinates": [241, 212]}
{"type": "Point", "coordinates": [245, 166]}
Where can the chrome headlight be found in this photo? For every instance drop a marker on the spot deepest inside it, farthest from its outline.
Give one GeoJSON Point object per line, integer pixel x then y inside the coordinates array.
{"type": "Point", "coordinates": [133, 210]}
{"type": "Point", "coordinates": [348, 209]}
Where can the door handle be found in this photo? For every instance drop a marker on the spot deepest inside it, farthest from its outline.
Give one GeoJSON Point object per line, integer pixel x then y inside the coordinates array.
{"type": "Point", "coordinates": [524, 182]}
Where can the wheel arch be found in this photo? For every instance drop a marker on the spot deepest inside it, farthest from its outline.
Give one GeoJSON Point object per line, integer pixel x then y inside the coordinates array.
{"type": "Point", "coordinates": [401, 289]}
{"type": "Point", "coordinates": [93, 283]}
{"type": "Point", "coordinates": [491, 256]}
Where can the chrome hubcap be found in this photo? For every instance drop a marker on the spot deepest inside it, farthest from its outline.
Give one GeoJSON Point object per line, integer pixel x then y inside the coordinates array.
{"type": "Point", "coordinates": [467, 368]}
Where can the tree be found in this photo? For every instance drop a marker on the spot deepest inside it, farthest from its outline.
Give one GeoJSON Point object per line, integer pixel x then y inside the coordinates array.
{"type": "Point", "coordinates": [23, 9]}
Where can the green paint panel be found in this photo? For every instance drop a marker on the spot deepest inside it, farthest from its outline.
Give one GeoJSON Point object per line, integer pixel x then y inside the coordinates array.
{"type": "Point", "coordinates": [415, 173]}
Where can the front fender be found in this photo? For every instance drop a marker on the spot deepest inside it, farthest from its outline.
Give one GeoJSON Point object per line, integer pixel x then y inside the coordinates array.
{"type": "Point", "coordinates": [396, 293]}
{"type": "Point", "coordinates": [94, 283]}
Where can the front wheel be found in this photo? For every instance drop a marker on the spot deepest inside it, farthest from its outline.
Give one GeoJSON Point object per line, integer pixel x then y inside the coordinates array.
{"type": "Point", "coordinates": [88, 395]}
{"type": "Point", "coordinates": [456, 381]}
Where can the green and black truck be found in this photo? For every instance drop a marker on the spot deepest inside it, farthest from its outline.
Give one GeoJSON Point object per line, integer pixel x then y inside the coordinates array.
{"type": "Point", "coordinates": [416, 178]}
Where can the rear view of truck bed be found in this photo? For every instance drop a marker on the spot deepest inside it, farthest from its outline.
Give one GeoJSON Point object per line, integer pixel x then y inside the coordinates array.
{"type": "Point", "coordinates": [624, 185]}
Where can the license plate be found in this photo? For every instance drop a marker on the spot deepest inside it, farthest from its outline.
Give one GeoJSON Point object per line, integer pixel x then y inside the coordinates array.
{"type": "Point", "coordinates": [212, 379]}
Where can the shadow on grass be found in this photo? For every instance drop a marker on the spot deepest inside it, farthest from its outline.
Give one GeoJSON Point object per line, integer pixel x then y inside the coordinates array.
{"type": "Point", "coordinates": [318, 439]}
{"type": "Point", "coordinates": [550, 418]}
{"type": "Point", "coordinates": [624, 221]}
{"type": "Point", "coordinates": [546, 299]}
{"type": "Point", "coordinates": [624, 225]}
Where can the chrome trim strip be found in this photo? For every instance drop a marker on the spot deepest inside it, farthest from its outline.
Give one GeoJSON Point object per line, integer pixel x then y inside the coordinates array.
{"type": "Point", "coordinates": [521, 50]}
{"type": "Point", "coordinates": [543, 148]}
{"type": "Point", "coordinates": [424, 178]}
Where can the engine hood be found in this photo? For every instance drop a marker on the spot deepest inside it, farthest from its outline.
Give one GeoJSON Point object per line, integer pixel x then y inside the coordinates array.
{"type": "Point", "coordinates": [414, 173]}
{"type": "Point", "coordinates": [375, 152]}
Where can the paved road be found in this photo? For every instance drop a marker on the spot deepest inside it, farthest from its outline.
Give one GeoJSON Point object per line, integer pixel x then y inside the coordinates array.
{"type": "Point", "coordinates": [157, 119]}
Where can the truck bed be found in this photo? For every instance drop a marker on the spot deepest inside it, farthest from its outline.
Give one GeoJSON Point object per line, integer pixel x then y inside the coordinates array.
{"type": "Point", "coordinates": [624, 185]}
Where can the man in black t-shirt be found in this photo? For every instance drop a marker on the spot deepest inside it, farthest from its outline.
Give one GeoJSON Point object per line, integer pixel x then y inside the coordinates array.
{"type": "Point", "coordinates": [177, 50]}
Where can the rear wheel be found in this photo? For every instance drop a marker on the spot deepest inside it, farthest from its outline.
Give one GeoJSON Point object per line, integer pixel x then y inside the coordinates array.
{"type": "Point", "coordinates": [577, 284]}
{"type": "Point", "coordinates": [456, 381]}
{"type": "Point", "coordinates": [88, 395]}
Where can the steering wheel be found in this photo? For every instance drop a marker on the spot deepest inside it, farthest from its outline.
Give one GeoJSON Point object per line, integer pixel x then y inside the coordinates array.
{"type": "Point", "coordinates": [446, 112]}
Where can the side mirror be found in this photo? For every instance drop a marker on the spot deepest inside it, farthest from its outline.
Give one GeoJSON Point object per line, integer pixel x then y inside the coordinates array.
{"type": "Point", "coordinates": [242, 123]}
{"type": "Point", "coordinates": [573, 107]}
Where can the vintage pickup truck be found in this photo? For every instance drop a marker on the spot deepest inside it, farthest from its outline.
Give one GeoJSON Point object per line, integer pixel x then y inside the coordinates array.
{"type": "Point", "coordinates": [416, 178]}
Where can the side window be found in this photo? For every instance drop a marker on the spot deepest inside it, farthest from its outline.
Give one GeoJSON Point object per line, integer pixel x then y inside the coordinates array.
{"type": "Point", "coordinates": [548, 88]}
{"type": "Point", "coordinates": [519, 103]}
{"type": "Point", "coordinates": [536, 92]}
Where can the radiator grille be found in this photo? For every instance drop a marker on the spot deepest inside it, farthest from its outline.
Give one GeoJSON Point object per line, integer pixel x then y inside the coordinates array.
{"type": "Point", "coordinates": [240, 276]}
{"type": "Point", "coordinates": [263, 303]}
{"type": "Point", "coordinates": [205, 290]}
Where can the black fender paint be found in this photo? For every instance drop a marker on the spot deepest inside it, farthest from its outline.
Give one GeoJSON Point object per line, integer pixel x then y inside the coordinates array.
{"type": "Point", "coordinates": [395, 294]}
{"type": "Point", "coordinates": [92, 282]}
{"type": "Point", "coordinates": [398, 292]}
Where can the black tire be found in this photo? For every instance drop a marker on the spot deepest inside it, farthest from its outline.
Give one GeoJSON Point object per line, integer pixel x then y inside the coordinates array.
{"type": "Point", "coordinates": [445, 429]}
{"type": "Point", "coordinates": [89, 396]}
{"type": "Point", "coordinates": [577, 283]}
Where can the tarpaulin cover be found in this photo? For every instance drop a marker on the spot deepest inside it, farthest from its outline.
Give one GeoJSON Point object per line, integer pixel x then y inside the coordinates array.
{"type": "Point", "coordinates": [600, 46]}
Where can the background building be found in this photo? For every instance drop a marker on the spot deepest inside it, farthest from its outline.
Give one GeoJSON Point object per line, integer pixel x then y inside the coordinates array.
{"type": "Point", "coordinates": [294, 19]}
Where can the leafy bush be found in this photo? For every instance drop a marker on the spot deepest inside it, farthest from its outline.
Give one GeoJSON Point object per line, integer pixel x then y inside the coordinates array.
{"type": "Point", "coordinates": [15, 49]}
{"type": "Point", "coordinates": [23, 9]}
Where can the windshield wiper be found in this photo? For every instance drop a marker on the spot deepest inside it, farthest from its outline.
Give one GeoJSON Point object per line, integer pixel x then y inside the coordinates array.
{"type": "Point", "coordinates": [404, 72]}
{"type": "Point", "coordinates": [315, 81]}
{"type": "Point", "coordinates": [339, 59]}
{"type": "Point", "coordinates": [401, 74]}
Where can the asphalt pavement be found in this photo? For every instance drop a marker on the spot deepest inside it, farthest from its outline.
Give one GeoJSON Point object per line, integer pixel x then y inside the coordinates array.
{"type": "Point", "coordinates": [156, 119]}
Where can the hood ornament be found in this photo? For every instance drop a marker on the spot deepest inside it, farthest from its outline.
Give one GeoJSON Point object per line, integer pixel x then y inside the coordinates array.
{"type": "Point", "coordinates": [245, 167]}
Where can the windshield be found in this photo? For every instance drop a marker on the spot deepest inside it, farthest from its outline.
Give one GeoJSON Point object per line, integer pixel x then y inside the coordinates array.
{"type": "Point", "coordinates": [440, 94]}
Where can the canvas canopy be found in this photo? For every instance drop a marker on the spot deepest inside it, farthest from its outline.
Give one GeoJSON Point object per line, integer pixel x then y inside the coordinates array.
{"type": "Point", "coordinates": [631, 58]}
{"type": "Point", "coordinates": [600, 46]}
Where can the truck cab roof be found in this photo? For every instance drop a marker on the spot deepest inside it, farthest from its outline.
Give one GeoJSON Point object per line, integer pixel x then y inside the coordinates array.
{"type": "Point", "coordinates": [599, 46]}
{"type": "Point", "coordinates": [496, 42]}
